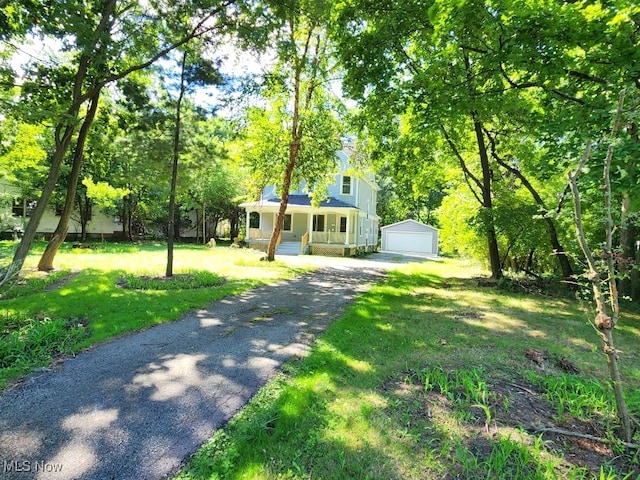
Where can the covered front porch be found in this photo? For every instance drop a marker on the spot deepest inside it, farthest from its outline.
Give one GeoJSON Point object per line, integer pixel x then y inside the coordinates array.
{"type": "Point", "coordinates": [321, 232]}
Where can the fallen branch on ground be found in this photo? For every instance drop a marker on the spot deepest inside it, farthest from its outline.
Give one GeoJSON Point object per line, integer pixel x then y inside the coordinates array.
{"type": "Point", "coordinates": [586, 436]}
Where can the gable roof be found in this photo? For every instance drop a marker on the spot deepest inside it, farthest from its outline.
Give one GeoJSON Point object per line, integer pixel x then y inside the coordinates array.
{"type": "Point", "coordinates": [409, 223]}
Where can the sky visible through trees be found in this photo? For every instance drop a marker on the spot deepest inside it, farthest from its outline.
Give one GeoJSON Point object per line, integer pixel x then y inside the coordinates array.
{"type": "Point", "coordinates": [470, 114]}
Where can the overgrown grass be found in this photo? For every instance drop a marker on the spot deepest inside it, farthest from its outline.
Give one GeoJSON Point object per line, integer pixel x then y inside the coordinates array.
{"type": "Point", "coordinates": [114, 289]}
{"type": "Point", "coordinates": [28, 343]}
{"type": "Point", "coordinates": [32, 282]}
{"type": "Point", "coordinates": [425, 377]}
{"type": "Point", "coordinates": [189, 280]}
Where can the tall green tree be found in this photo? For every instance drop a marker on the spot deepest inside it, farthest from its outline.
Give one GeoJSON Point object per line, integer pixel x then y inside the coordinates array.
{"type": "Point", "coordinates": [106, 41]}
{"type": "Point", "coordinates": [296, 137]}
{"type": "Point", "coordinates": [194, 70]}
{"type": "Point", "coordinates": [473, 71]}
{"type": "Point", "coordinates": [605, 290]}
{"type": "Point", "coordinates": [141, 163]}
{"type": "Point", "coordinates": [60, 233]}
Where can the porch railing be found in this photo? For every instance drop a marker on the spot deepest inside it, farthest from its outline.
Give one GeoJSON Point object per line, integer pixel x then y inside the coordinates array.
{"type": "Point", "coordinates": [329, 237]}
{"type": "Point", "coordinates": [304, 242]}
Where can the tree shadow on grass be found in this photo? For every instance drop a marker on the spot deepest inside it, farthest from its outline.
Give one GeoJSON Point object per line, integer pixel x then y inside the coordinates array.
{"type": "Point", "coordinates": [355, 409]}
{"type": "Point", "coordinates": [132, 415]}
{"type": "Point", "coordinates": [138, 406]}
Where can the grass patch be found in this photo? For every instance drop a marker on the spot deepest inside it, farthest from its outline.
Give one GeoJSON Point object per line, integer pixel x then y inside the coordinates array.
{"type": "Point", "coordinates": [180, 281]}
{"type": "Point", "coordinates": [426, 377]}
{"type": "Point", "coordinates": [89, 286]}
{"type": "Point", "coordinates": [31, 281]}
{"type": "Point", "coordinates": [27, 343]}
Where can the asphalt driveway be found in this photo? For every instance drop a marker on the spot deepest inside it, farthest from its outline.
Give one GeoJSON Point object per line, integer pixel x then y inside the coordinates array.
{"type": "Point", "coordinates": [138, 406]}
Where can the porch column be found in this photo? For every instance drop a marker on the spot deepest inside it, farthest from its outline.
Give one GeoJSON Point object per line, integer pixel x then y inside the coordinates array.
{"type": "Point", "coordinates": [348, 227]}
{"type": "Point", "coordinates": [247, 238]}
{"type": "Point", "coordinates": [310, 226]}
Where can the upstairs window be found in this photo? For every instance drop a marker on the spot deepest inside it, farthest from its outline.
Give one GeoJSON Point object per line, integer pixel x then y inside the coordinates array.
{"type": "Point", "coordinates": [346, 185]}
{"type": "Point", "coordinates": [318, 223]}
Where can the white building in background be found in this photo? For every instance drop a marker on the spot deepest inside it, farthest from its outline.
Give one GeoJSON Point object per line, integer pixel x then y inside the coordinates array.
{"type": "Point", "coordinates": [15, 211]}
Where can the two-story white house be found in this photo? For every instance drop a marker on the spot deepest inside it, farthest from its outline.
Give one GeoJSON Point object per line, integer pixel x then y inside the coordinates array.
{"type": "Point", "coordinates": [344, 224]}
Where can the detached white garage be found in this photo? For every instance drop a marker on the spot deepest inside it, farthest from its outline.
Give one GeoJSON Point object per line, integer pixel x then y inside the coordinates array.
{"type": "Point", "coordinates": [410, 237]}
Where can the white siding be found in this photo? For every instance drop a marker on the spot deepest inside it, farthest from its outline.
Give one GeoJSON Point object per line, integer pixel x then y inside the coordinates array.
{"type": "Point", "coordinates": [99, 223]}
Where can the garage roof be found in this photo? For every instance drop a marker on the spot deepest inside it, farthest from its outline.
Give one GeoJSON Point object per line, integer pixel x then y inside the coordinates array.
{"type": "Point", "coordinates": [409, 223]}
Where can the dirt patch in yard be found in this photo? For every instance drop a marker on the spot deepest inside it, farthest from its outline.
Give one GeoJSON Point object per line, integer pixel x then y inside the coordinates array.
{"type": "Point", "coordinates": [517, 415]}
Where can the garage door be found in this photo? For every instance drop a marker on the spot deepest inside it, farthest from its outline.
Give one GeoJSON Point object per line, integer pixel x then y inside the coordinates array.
{"type": "Point", "coordinates": [410, 242]}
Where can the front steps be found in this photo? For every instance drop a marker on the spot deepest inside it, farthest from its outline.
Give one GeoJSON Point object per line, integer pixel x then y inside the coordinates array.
{"type": "Point", "coordinates": [288, 248]}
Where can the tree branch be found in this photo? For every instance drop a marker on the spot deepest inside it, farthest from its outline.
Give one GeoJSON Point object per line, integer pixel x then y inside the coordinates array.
{"type": "Point", "coordinates": [557, 92]}
{"type": "Point", "coordinates": [613, 288]}
{"type": "Point", "coordinates": [196, 31]}
{"type": "Point", "coordinates": [568, 97]}
{"type": "Point", "coordinates": [586, 436]}
{"type": "Point", "coordinates": [586, 76]}
{"type": "Point", "coordinates": [563, 197]}
{"type": "Point", "coordinates": [469, 48]}
{"type": "Point", "coordinates": [573, 183]}
{"type": "Point", "coordinates": [514, 84]}
{"type": "Point", "coordinates": [467, 173]}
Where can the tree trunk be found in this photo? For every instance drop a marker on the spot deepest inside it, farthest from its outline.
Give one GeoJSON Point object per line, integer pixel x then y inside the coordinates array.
{"type": "Point", "coordinates": [126, 220]}
{"type": "Point", "coordinates": [84, 205]}
{"type": "Point", "coordinates": [286, 184]}
{"type": "Point", "coordinates": [294, 147]}
{"type": "Point", "coordinates": [603, 322]}
{"type": "Point", "coordinates": [62, 144]}
{"type": "Point", "coordinates": [234, 224]}
{"type": "Point", "coordinates": [529, 264]}
{"type": "Point", "coordinates": [627, 244]}
{"type": "Point", "coordinates": [485, 183]}
{"type": "Point", "coordinates": [297, 126]}
{"type": "Point", "coordinates": [174, 172]}
{"type": "Point", "coordinates": [487, 200]}
{"type": "Point", "coordinates": [84, 210]}
{"type": "Point", "coordinates": [177, 223]}
{"type": "Point", "coordinates": [127, 223]}
{"type": "Point", "coordinates": [63, 134]}
{"type": "Point", "coordinates": [204, 224]}
{"type": "Point", "coordinates": [59, 235]}
{"type": "Point", "coordinates": [563, 259]}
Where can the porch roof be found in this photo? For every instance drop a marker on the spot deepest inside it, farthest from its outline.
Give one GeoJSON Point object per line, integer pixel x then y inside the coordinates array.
{"type": "Point", "coordinates": [298, 201]}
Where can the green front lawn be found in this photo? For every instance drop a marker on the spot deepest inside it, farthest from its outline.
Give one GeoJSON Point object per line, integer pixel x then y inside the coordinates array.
{"type": "Point", "coordinates": [98, 293]}
{"type": "Point", "coordinates": [431, 376]}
